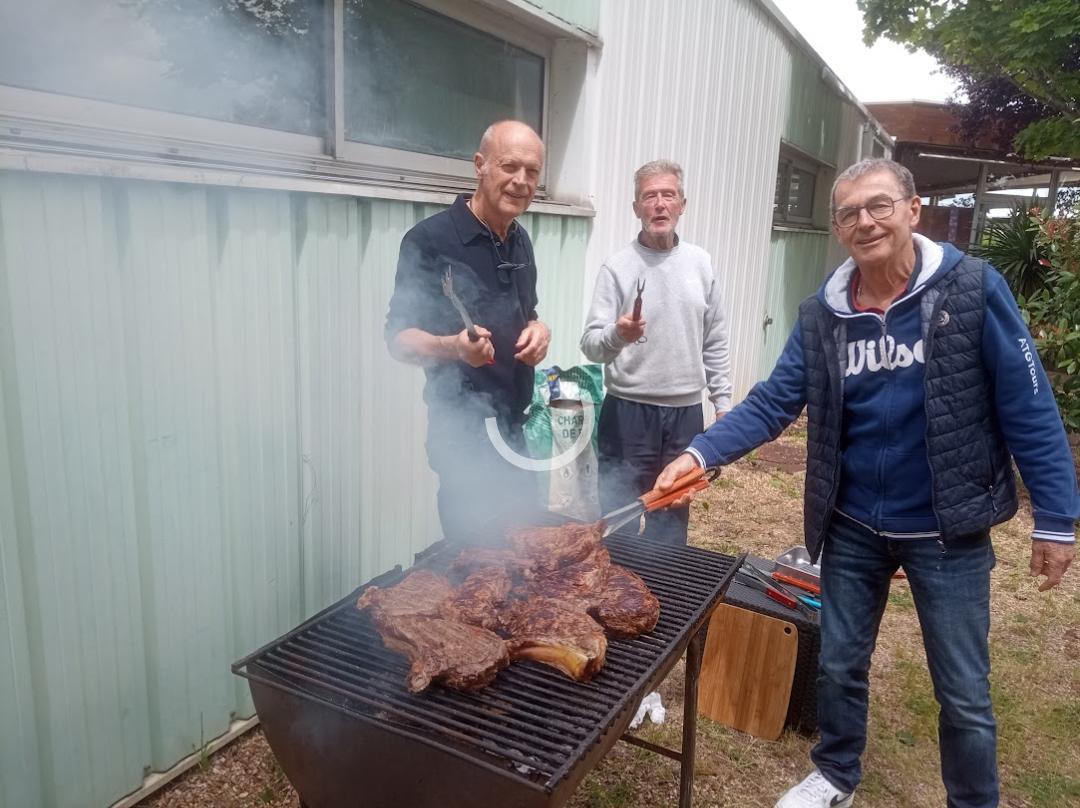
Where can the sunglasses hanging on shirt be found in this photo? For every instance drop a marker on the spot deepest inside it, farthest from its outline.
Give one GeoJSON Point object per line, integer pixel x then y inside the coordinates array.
{"type": "Point", "coordinates": [503, 269]}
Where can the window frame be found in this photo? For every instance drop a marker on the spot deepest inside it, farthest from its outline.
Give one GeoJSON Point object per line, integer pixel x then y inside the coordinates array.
{"type": "Point", "coordinates": [502, 28]}
{"type": "Point", "coordinates": [788, 158]}
{"type": "Point", "coordinates": [84, 127]}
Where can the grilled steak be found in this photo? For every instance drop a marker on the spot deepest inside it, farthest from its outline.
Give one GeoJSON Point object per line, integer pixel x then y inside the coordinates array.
{"type": "Point", "coordinates": [542, 592]}
{"type": "Point", "coordinates": [545, 631]}
{"type": "Point", "coordinates": [480, 598]}
{"type": "Point", "coordinates": [546, 549]}
{"type": "Point", "coordinates": [419, 593]}
{"type": "Point", "coordinates": [477, 558]}
{"type": "Point", "coordinates": [626, 607]}
{"type": "Point", "coordinates": [577, 585]}
{"type": "Point", "coordinates": [460, 656]}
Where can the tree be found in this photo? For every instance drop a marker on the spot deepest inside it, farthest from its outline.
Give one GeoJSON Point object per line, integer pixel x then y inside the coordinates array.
{"type": "Point", "coordinates": [1018, 61]}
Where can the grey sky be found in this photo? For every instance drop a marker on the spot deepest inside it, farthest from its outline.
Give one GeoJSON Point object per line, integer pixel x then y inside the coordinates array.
{"type": "Point", "coordinates": [886, 72]}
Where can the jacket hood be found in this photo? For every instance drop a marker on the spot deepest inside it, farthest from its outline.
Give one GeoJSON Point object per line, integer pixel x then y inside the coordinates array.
{"type": "Point", "coordinates": [937, 261]}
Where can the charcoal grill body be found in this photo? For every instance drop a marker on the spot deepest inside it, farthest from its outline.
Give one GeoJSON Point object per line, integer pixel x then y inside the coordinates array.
{"type": "Point", "coordinates": [334, 708]}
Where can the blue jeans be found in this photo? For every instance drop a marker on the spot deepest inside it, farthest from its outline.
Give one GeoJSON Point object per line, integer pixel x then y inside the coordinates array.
{"type": "Point", "coordinates": [950, 583]}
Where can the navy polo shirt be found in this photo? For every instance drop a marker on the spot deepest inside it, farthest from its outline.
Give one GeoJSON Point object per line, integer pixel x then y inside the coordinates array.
{"type": "Point", "coordinates": [501, 301]}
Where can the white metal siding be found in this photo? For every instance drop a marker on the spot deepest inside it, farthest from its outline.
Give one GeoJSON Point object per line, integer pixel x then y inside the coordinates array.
{"type": "Point", "coordinates": [702, 83]}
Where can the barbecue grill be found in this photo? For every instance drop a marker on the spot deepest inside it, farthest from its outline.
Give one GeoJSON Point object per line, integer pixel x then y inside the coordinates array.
{"type": "Point", "coordinates": [334, 708]}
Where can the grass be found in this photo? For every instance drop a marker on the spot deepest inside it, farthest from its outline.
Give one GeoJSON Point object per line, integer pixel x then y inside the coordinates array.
{"type": "Point", "coordinates": [1035, 680]}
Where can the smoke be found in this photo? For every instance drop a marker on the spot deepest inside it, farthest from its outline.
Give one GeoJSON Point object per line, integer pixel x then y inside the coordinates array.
{"type": "Point", "coordinates": [482, 490]}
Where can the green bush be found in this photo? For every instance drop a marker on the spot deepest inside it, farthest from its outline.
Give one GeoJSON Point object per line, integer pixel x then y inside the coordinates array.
{"type": "Point", "coordinates": [1052, 310]}
{"type": "Point", "coordinates": [1013, 247]}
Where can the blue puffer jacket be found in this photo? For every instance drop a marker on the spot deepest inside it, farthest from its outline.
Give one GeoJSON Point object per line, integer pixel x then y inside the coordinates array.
{"type": "Point", "coordinates": [880, 434]}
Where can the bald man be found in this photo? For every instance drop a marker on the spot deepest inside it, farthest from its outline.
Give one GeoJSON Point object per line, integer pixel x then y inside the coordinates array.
{"type": "Point", "coordinates": [488, 374]}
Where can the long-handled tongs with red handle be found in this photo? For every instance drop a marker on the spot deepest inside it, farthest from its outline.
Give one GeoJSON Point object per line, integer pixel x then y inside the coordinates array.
{"type": "Point", "coordinates": [696, 480]}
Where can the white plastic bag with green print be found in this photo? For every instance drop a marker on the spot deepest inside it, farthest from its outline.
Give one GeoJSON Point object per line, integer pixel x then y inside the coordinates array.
{"type": "Point", "coordinates": [563, 400]}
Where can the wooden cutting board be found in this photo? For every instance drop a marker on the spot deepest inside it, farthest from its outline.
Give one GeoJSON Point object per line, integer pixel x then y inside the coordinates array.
{"type": "Point", "coordinates": [747, 671]}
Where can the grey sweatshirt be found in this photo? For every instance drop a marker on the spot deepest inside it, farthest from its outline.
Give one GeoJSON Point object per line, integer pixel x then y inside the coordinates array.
{"type": "Point", "coordinates": [686, 328]}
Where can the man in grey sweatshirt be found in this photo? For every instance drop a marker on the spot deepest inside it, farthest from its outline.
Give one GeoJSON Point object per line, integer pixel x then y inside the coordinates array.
{"type": "Point", "coordinates": [656, 363]}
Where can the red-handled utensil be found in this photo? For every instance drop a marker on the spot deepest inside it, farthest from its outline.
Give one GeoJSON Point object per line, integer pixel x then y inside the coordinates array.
{"type": "Point", "coordinates": [696, 480]}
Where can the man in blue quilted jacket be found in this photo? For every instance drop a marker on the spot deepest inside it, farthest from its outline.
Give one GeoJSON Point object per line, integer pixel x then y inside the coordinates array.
{"type": "Point", "coordinates": [922, 386]}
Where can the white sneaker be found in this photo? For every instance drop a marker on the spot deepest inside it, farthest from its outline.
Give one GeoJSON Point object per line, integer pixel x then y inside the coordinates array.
{"type": "Point", "coordinates": [815, 792]}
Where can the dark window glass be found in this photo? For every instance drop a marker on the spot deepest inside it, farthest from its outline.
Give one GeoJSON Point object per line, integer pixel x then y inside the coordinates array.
{"type": "Point", "coordinates": [801, 194]}
{"type": "Point", "coordinates": [255, 62]}
{"type": "Point", "coordinates": [418, 81]}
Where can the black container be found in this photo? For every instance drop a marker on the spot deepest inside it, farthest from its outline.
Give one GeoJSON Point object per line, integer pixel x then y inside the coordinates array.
{"type": "Point", "coordinates": [802, 708]}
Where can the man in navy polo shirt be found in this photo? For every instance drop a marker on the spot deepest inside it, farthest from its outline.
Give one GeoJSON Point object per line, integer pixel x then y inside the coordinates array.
{"type": "Point", "coordinates": [470, 380]}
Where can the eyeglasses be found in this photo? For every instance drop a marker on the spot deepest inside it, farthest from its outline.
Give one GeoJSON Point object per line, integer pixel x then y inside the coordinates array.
{"type": "Point", "coordinates": [879, 209]}
{"type": "Point", "coordinates": [503, 269]}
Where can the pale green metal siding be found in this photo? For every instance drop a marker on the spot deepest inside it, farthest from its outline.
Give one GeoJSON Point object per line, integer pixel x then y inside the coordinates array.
{"type": "Point", "coordinates": [795, 271]}
{"type": "Point", "coordinates": [822, 124]}
{"type": "Point", "coordinates": [583, 14]}
{"type": "Point", "coordinates": [202, 440]}
{"type": "Point", "coordinates": [813, 109]}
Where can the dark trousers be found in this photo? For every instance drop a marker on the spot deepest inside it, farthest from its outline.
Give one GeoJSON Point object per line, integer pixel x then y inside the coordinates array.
{"type": "Point", "coordinates": [635, 442]}
{"type": "Point", "coordinates": [950, 584]}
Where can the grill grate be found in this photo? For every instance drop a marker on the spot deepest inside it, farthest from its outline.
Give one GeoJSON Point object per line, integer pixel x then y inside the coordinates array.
{"type": "Point", "coordinates": [532, 722]}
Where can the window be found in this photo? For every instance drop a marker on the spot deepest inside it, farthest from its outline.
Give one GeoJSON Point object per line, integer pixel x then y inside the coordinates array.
{"type": "Point", "coordinates": [253, 63]}
{"type": "Point", "coordinates": [796, 190]}
{"type": "Point", "coordinates": [390, 91]}
{"type": "Point", "coordinates": [422, 82]}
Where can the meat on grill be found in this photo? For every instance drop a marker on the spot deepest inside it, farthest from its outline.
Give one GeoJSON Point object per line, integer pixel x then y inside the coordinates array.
{"type": "Point", "coordinates": [460, 656]}
{"type": "Point", "coordinates": [410, 619]}
{"type": "Point", "coordinates": [546, 549]}
{"type": "Point", "coordinates": [578, 584]}
{"type": "Point", "coordinates": [420, 593]}
{"type": "Point", "coordinates": [552, 593]}
{"type": "Point", "coordinates": [626, 607]}
{"type": "Point", "coordinates": [477, 558]}
{"type": "Point", "coordinates": [544, 630]}
{"type": "Point", "coordinates": [480, 598]}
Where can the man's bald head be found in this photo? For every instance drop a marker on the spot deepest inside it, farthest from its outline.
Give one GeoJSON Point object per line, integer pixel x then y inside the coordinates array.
{"type": "Point", "coordinates": [508, 168]}
{"type": "Point", "coordinates": [511, 131]}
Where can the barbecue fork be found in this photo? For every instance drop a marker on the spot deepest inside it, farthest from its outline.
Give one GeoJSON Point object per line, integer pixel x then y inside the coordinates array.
{"type": "Point", "coordinates": [637, 309]}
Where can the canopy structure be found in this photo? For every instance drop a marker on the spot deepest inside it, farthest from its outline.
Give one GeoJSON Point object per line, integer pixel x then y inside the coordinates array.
{"type": "Point", "coordinates": [945, 166]}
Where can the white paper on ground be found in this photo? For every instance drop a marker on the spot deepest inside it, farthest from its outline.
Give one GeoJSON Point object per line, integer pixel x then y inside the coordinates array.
{"type": "Point", "coordinates": [652, 707]}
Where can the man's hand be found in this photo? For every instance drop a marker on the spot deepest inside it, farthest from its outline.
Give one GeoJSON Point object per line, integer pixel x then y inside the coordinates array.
{"type": "Point", "coordinates": [629, 329]}
{"type": "Point", "coordinates": [532, 345]}
{"type": "Point", "coordinates": [1051, 558]}
{"type": "Point", "coordinates": [475, 354]}
{"type": "Point", "coordinates": [683, 464]}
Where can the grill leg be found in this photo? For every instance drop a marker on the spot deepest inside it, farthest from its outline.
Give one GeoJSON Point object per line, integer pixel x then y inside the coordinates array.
{"type": "Point", "coordinates": [694, 653]}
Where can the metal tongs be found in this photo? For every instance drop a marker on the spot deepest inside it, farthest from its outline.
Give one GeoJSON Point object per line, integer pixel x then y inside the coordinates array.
{"type": "Point", "coordinates": [637, 308]}
{"type": "Point", "coordinates": [448, 290]}
{"type": "Point", "coordinates": [776, 591]}
{"type": "Point", "coordinates": [696, 480]}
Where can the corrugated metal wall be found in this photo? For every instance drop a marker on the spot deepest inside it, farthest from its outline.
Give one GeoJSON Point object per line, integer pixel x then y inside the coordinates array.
{"type": "Point", "coordinates": [202, 440]}
{"type": "Point", "coordinates": [796, 267]}
{"type": "Point", "coordinates": [585, 14]}
{"type": "Point", "coordinates": [705, 84]}
{"type": "Point", "coordinates": [813, 120]}
{"type": "Point", "coordinates": [716, 86]}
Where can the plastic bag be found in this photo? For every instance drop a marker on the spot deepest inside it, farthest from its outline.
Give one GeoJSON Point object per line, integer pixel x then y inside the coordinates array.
{"type": "Point", "coordinates": [557, 416]}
